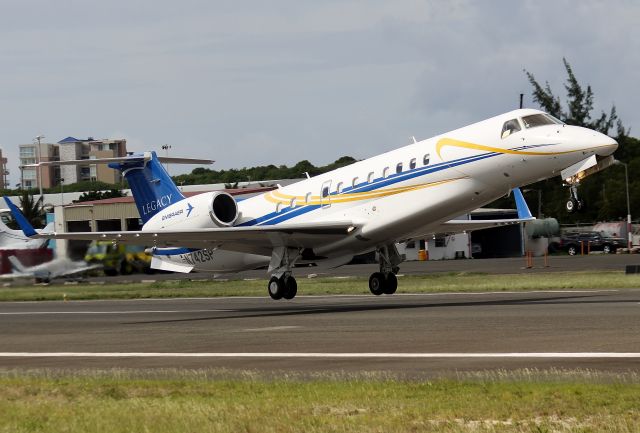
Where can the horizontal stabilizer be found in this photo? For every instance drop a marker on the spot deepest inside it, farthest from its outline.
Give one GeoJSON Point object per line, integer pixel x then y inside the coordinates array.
{"type": "Point", "coordinates": [146, 156]}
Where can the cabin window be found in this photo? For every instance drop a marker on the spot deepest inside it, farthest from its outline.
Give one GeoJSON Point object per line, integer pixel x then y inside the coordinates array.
{"type": "Point", "coordinates": [412, 163]}
{"type": "Point", "coordinates": [325, 191]}
{"type": "Point", "coordinates": [307, 198]}
{"type": "Point", "coordinates": [385, 172]}
{"type": "Point", "coordinates": [355, 182]}
{"type": "Point", "coordinates": [293, 203]}
{"type": "Point", "coordinates": [509, 127]}
{"type": "Point", "coordinates": [339, 187]}
{"type": "Point", "coordinates": [425, 160]}
{"type": "Point", "coordinates": [370, 177]}
{"type": "Point", "coordinates": [278, 207]}
{"type": "Point", "coordinates": [399, 168]}
{"type": "Point", "coordinates": [534, 120]}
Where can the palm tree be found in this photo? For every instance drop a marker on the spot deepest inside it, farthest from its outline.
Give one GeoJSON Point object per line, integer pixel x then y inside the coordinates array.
{"type": "Point", "coordinates": [33, 209]}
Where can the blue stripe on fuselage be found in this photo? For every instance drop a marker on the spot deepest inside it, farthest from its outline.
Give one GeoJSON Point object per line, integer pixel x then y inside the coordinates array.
{"type": "Point", "coordinates": [289, 213]}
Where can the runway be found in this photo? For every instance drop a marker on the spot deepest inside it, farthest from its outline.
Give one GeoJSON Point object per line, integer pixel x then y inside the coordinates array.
{"type": "Point", "coordinates": [405, 334]}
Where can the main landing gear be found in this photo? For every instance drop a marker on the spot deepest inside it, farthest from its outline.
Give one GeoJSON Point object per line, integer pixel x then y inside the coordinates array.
{"type": "Point", "coordinates": [385, 281]}
{"type": "Point", "coordinates": [574, 204]}
{"type": "Point", "coordinates": [284, 287]}
{"type": "Point", "coordinates": [282, 284]}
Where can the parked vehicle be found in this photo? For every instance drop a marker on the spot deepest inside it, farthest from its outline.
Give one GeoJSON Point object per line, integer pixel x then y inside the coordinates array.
{"type": "Point", "coordinates": [118, 258]}
{"type": "Point", "coordinates": [574, 243]}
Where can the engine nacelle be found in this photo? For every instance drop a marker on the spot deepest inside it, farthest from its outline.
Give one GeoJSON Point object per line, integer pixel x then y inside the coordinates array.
{"type": "Point", "coordinates": [223, 209]}
{"type": "Point", "coordinates": [211, 209]}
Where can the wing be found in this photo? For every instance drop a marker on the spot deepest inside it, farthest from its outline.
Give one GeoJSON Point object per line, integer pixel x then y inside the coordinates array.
{"type": "Point", "coordinates": [459, 226]}
{"type": "Point", "coordinates": [253, 240]}
{"type": "Point", "coordinates": [74, 271]}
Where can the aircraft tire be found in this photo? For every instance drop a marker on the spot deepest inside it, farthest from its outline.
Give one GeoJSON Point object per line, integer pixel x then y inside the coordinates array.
{"type": "Point", "coordinates": [377, 283]}
{"type": "Point", "coordinates": [276, 288]}
{"type": "Point", "coordinates": [571, 205]}
{"type": "Point", "coordinates": [391, 284]}
{"type": "Point", "coordinates": [291, 287]}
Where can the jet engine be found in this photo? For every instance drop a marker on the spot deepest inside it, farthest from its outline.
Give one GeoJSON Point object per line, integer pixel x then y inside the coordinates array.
{"type": "Point", "coordinates": [223, 209]}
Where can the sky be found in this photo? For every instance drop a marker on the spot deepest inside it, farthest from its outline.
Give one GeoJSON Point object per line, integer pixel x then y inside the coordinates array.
{"type": "Point", "coordinates": [251, 82]}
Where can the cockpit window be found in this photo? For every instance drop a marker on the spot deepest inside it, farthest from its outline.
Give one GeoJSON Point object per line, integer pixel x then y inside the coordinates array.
{"type": "Point", "coordinates": [509, 127]}
{"type": "Point", "coordinates": [534, 120]}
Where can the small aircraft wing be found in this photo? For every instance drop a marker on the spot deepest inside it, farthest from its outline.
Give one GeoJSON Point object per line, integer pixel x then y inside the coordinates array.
{"type": "Point", "coordinates": [79, 268]}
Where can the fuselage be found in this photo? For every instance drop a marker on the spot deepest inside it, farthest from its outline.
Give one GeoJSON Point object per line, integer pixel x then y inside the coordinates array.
{"type": "Point", "coordinates": [404, 191]}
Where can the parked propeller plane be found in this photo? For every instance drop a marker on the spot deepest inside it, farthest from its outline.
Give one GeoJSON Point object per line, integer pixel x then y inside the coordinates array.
{"type": "Point", "coordinates": [409, 193]}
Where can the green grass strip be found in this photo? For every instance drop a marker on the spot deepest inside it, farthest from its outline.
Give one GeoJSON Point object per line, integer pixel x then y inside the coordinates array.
{"type": "Point", "coordinates": [193, 403]}
{"type": "Point", "coordinates": [434, 283]}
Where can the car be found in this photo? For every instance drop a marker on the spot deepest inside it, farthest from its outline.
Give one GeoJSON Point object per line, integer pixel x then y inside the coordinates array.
{"type": "Point", "coordinates": [574, 243]}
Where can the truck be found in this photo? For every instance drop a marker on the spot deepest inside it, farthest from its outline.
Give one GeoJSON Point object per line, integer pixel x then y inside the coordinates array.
{"type": "Point", "coordinates": [118, 258]}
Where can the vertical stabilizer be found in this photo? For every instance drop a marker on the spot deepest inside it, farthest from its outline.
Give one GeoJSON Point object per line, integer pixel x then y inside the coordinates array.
{"type": "Point", "coordinates": [151, 185]}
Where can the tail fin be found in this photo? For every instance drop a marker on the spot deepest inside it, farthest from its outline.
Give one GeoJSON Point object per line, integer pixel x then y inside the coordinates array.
{"type": "Point", "coordinates": [151, 185]}
{"type": "Point", "coordinates": [24, 224]}
{"type": "Point", "coordinates": [17, 265]}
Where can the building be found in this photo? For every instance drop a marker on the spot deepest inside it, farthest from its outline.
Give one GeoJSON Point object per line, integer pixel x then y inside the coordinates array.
{"type": "Point", "coordinates": [69, 149]}
{"type": "Point", "coordinates": [29, 154]}
{"type": "Point", "coordinates": [4, 173]}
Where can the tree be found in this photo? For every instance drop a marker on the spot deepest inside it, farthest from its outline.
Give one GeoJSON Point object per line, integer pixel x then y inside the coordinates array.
{"type": "Point", "coordinates": [579, 104]}
{"type": "Point", "coordinates": [99, 195]}
{"type": "Point", "coordinates": [32, 209]}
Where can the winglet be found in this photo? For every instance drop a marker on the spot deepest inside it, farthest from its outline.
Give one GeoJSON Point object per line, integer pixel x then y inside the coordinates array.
{"type": "Point", "coordinates": [521, 205]}
{"type": "Point", "coordinates": [27, 228]}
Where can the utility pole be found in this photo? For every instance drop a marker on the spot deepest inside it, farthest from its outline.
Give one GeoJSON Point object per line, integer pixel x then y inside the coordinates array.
{"type": "Point", "coordinates": [39, 172]}
{"type": "Point", "coordinates": [166, 148]}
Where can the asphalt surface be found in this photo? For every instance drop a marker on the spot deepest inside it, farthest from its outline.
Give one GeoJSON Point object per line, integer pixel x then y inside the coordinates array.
{"type": "Point", "coordinates": [403, 334]}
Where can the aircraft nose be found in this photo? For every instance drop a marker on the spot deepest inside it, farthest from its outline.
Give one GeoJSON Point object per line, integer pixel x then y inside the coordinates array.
{"type": "Point", "coordinates": [606, 145]}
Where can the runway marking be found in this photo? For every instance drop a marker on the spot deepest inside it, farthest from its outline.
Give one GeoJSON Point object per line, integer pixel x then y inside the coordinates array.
{"type": "Point", "coordinates": [270, 328]}
{"type": "Point", "coordinates": [337, 355]}
{"type": "Point", "coordinates": [36, 313]}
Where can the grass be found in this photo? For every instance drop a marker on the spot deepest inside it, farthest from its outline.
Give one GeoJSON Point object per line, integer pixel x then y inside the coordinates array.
{"type": "Point", "coordinates": [433, 283]}
{"type": "Point", "coordinates": [210, 402]}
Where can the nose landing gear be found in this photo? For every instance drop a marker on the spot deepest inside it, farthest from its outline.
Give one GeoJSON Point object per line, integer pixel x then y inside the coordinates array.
{"type": "Point", "coordinates": [574, 204]}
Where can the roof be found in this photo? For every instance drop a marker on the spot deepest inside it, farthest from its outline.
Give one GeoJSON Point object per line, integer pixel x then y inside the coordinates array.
{"type": "Point", "coordinates": [69, 140]}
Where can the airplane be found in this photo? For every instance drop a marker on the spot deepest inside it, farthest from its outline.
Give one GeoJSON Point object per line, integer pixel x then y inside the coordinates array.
{"type": "Point", "coordinates": [45, 272]}
{"type": "Point", "coordinates": [16, 240]}
{"type": "Point", "coordinates": [412, 192]}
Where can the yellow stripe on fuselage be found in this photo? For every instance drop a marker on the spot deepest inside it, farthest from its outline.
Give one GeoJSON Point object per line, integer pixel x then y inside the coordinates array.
{"type": "Point", "coordinates": [443, 142]}
{"type": "Point", "coordinates": [285, 199]}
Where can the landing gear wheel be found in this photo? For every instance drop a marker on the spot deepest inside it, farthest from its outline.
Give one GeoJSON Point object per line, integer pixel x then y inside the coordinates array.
{"type": "Point", "coordinates": [276, 288]}
{"type": "Point", "coordinates": [571, 205]}
{"type": "Point", "coordinates": [391, 284]}
{"type": "Point", "coordinates": [377, 283]}
{"type": "Point", "coordinates": [291, 287]}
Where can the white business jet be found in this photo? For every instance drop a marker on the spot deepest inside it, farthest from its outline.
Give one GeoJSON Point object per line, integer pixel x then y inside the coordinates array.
{"type": "Point", "coordinates": [408, 193]}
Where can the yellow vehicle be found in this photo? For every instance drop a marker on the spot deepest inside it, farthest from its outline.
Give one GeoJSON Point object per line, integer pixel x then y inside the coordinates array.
{"type": "Point", "coordinates": [118, 259]}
